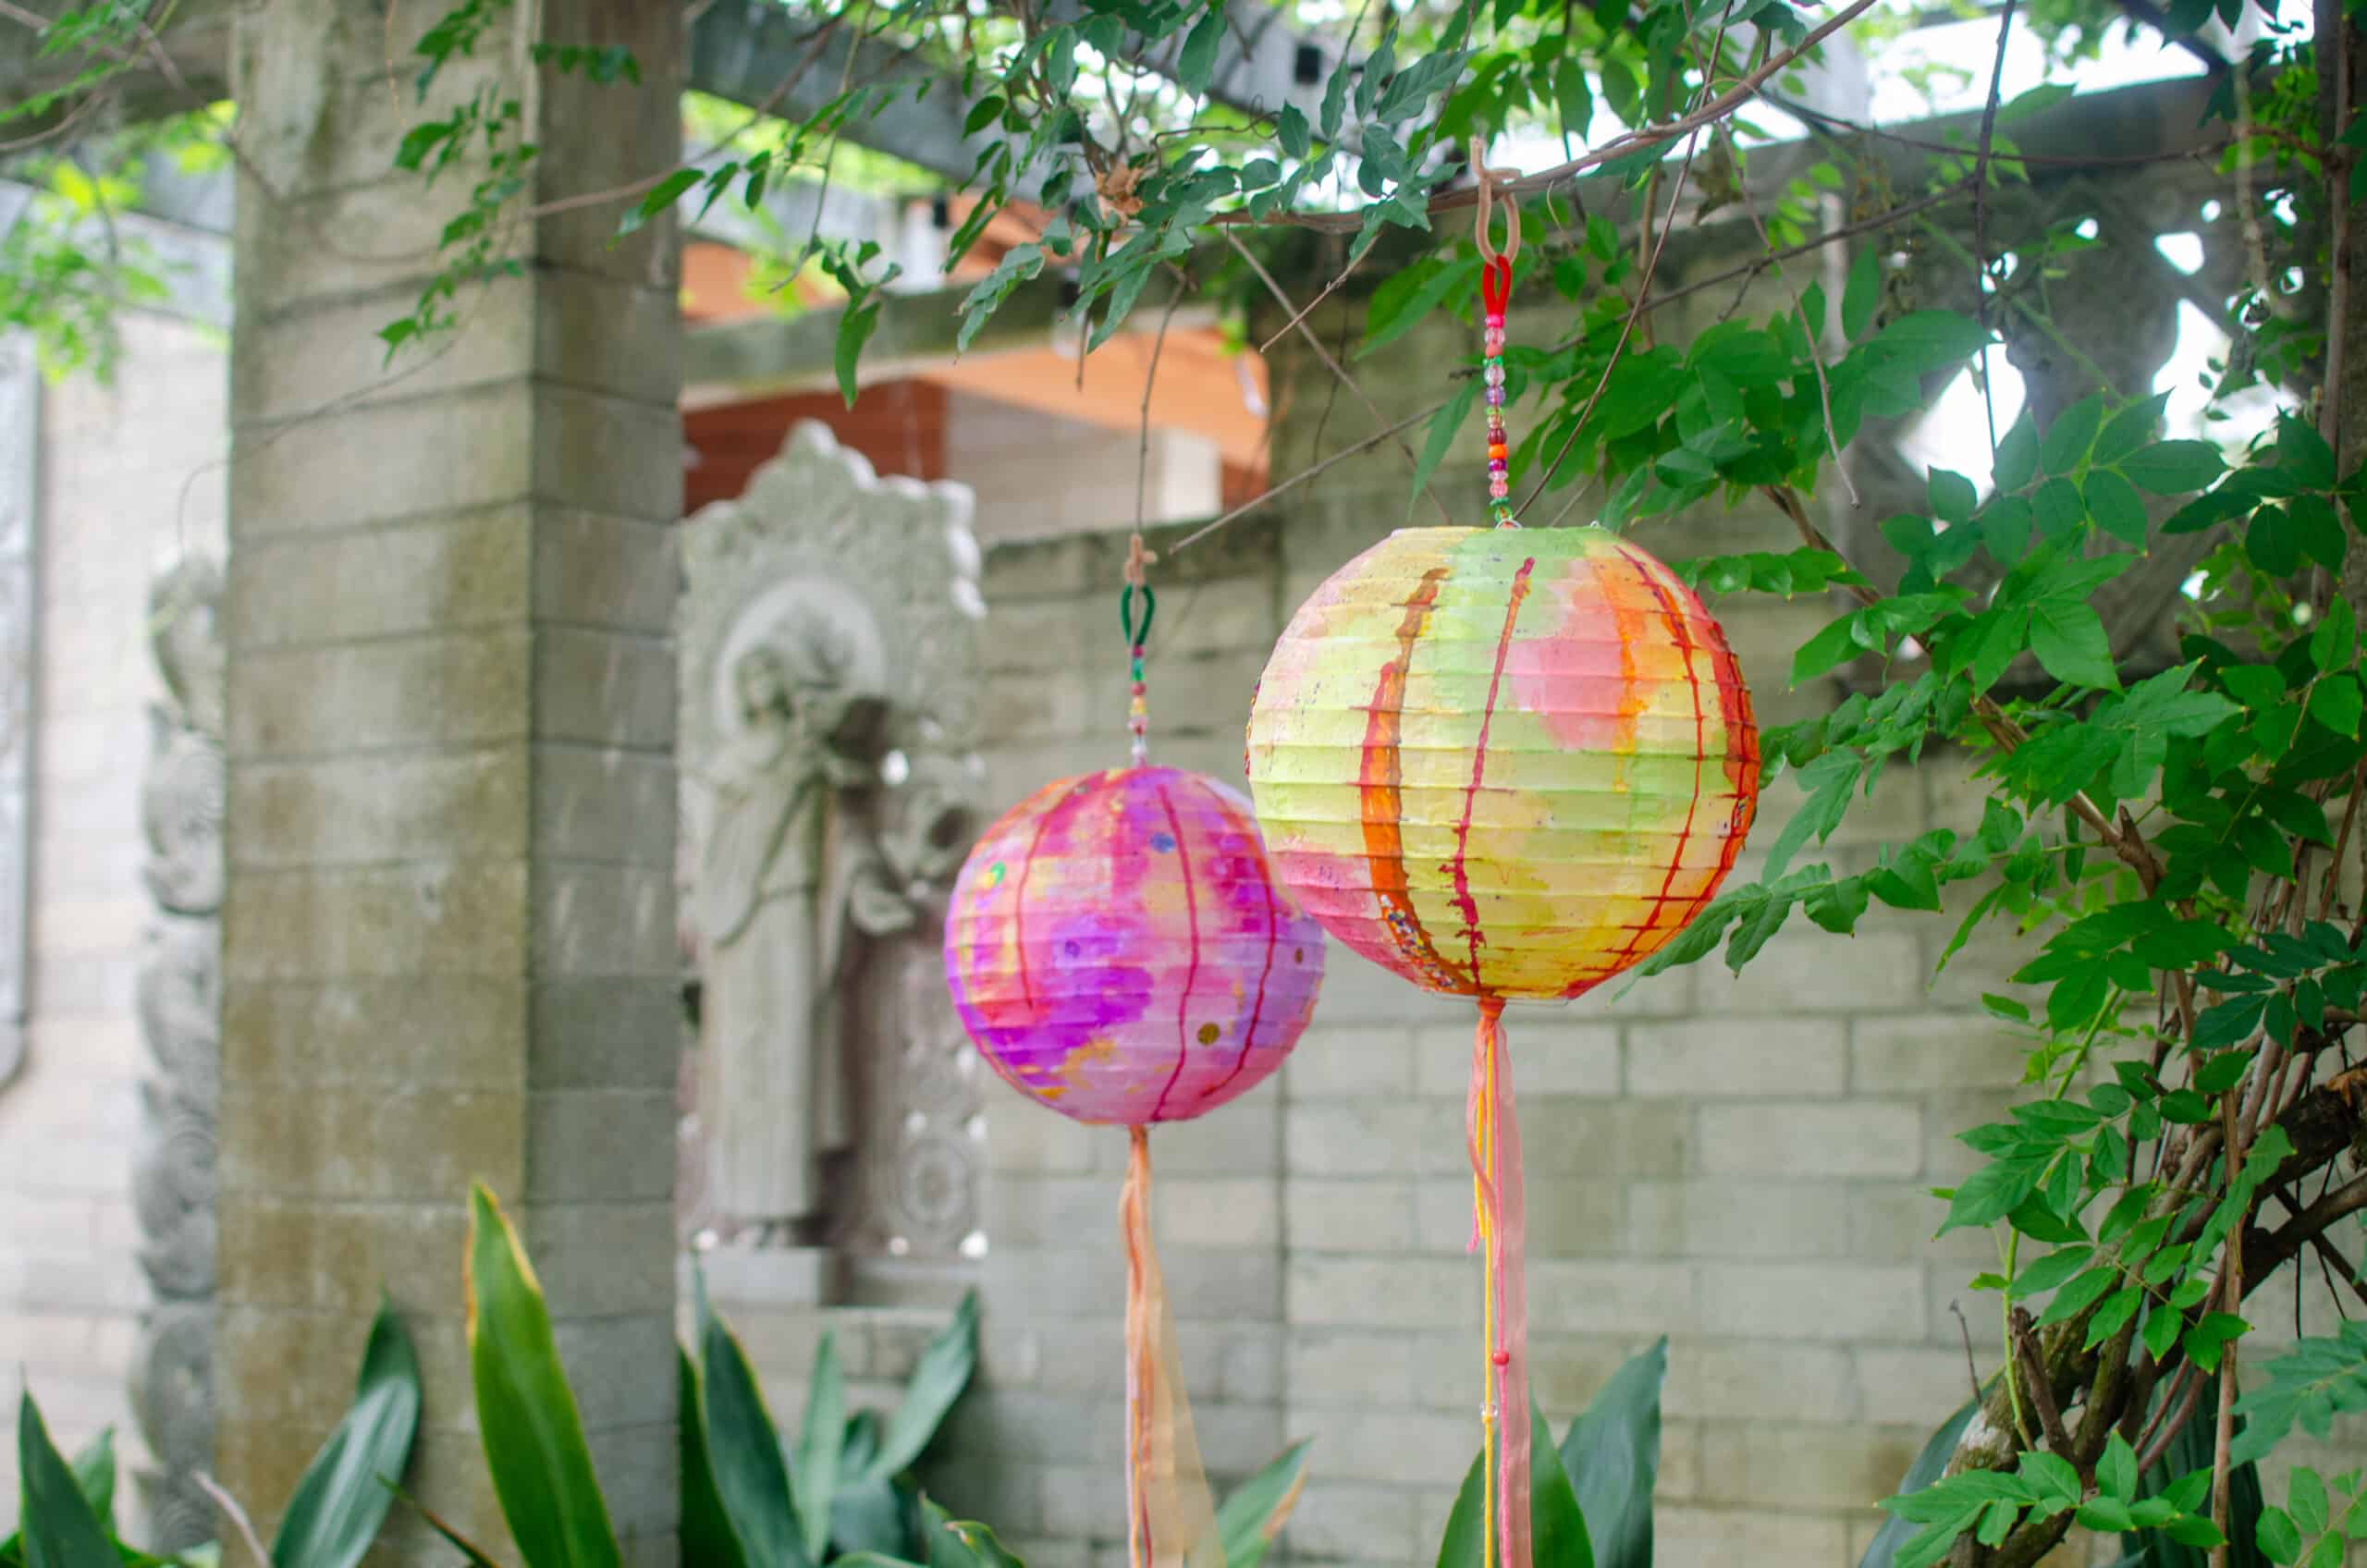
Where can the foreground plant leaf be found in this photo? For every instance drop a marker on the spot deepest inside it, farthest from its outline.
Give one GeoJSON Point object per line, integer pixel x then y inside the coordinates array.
{"type": "Point", "coordinates": [343, 1498]}
{"type": "Point", "coordinates": [533, 1434]}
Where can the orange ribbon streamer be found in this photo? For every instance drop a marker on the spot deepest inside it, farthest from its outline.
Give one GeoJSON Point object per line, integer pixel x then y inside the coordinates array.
{"type": "Point", "coordinates": [1500, 1225]}
{"type": "Point", "coordinates": [1170, 1517]}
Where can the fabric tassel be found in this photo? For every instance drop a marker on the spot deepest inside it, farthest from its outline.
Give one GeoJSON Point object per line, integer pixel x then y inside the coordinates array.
{"type": "Point", "coordinates": [1170, 1517]}
{"type": "Point", "coordinates": [1499, 1226]}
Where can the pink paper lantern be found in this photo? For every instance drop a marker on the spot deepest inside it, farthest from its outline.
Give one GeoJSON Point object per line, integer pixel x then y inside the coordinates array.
{"type": "Point", "coordinates": [1120, 950]}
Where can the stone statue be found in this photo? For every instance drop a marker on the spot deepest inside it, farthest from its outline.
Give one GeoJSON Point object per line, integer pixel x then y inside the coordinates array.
{"type": "Point", "coordinates": [787, 870]}
{"type": "Point", "coordinates": [180, 1020]}
{"type": "Point", "coordinates": [828, 631]}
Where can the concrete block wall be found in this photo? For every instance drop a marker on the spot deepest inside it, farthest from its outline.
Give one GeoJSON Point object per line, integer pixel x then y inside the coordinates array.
{"type": "Point", "coordinates": [1741, 1163]}
{"type": "Point", "coordinates": [130, 476]}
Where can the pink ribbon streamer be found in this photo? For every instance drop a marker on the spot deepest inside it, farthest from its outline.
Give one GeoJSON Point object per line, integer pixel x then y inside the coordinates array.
{"type": "Point", "coordinates": [1493, 1127]}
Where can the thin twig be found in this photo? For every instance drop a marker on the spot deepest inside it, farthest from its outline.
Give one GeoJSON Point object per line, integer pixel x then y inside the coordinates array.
{"type": "Point", "coordinates": [1338, 278]}
{"type": "Point", "coordinates": [1150, 380]}
{"type": "Point", "coordinates": [1333, 365]}
{"type": "Point", "coordinates": [1810, 331]}
{"type": "Point", "coordinates": [1981, 217]}
{"type": "Point", "coordinates": [1626, 329]}
{"type": "Point", "coordinates": [2231, 1282]}
{"type": "Point", "coordinates": [1617, 147]}
{"type": "Point", "coordinates": [1295, 481]}
{"type": "Point", "coordinates": [238, 1515]}
{"type": "Point", "coordinates": [1971, 1370]}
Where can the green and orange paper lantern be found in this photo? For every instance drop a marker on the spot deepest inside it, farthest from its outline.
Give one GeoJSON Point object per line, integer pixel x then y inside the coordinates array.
{"type": "Point", "coordinates": [1506, 763]}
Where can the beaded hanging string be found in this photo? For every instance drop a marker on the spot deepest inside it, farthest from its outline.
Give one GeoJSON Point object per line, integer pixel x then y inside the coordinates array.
{"type": "Point", "coordinates": [1137, 704]}
{"type": "Point", "coordinates": [1499, 1221]}
{"type": "Point", "coordinates": [1495, 293]}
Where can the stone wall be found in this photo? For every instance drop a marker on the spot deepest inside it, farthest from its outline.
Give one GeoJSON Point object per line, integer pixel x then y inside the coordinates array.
{"type": "Point", "coordinates": [129, 477]}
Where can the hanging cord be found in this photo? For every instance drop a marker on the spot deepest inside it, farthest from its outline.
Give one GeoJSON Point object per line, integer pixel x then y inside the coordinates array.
{"type": "Point", "coordinates": [1137, 704]}
{"type": "Point", "coordinates": [1495, 294]}
{"type": "Point", "coordinates": [1499, 1225]}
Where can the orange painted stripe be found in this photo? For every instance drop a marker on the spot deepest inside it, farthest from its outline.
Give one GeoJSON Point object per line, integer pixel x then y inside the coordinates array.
{"type": "Point", "coordinates": [1380, 774]}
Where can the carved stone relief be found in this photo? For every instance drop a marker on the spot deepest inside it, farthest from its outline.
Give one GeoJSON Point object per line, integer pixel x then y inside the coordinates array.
{"type": "Point", "coordinates": [829, 655]}
{"type": "Point", "coordinates": [180, 1021]}
{"type": "Point", "coordinates": [20, 494]}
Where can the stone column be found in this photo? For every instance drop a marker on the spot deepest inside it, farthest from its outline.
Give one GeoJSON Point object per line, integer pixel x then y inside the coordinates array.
{"type": "Point", "coordinates": [448, 928]}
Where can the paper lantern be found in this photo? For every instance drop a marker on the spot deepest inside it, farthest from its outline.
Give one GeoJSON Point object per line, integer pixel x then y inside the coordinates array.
{"type": "Point", "coordinates": [1118, 948]}
{"type": "Point", "coordinates": [1504, 762]}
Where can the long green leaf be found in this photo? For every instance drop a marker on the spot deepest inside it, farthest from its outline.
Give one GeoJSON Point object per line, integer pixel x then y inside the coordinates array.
{"type": "Point", "coordinates": [944, 1371]}
{"type": "Point", "coordinates": [1898, 1531]}
{"type": "Point", "coordinates": [59, 1528]}
{"type": "Point", "coordinates": [1613, 1453]}
{"type": "Point", "coordinates": [343, 1498]}
{"type": "Point", "coordinates": [1254, 1513]}
{"type": "Point", "coordinates": [95, 1474]}
{"type": "Point", "coordinates": [1558, 1528]}
{"type": "Point", "coordinates": [743, 1447]}
{"type": "Point", "coordinates": [708, 1536]}
{"type": "Point", "coordinates": [818, 1449]}
{"type": "Point", "coordinates": [526, 1413]}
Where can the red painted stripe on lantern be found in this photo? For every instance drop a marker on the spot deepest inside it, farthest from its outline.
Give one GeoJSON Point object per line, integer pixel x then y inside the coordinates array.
{"type": "Point", "coordinates": [1018, 893]}
{"type": "Point", "coordinates": [1463, 900]}
{"type": "Point", "coordinates": [1192, 968]}
{"type": "Point", "coordinates": [1380, 772]}
{"type": "Point", "coordinates": [1684, 635]}
{"type": "Point", "coordinates": [1248, 829]}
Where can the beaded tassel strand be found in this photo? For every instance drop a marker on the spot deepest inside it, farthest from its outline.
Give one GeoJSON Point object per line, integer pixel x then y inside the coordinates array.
{"type": "Point", "coordinates": [1137, 699]}
{"type": "Point", "coordinates": [1495, 294]}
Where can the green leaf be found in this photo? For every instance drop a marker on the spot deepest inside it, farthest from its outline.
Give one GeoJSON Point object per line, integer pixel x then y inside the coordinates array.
{"type": "Point", "coordinates": [938, 1379]}
{"type": "Point", "coordinates": [526, 1415]}
{"type": "Point", "coordinates": [707, 1536]}
{"type": "Point", "coordinates": [2278, 1537]}
{"type": "Point", "coordinates": [2069, 640]}
{"type": "Point", "coordinates": [2335, 702]}
{"type": "Point", "coordinates": [744, 1449]}
{"type": "Point", "coordinates": [2116, 1469]}
{"type": "Point", "coordinates": [1952, 496]}
{"type": "Point", "coordinates": [1445, 425]}
{"type": "Point", "coordinates": [2052, 1270]}
{"type": "Point", "coordinates": [1559, 1531]}
{"type": "Point", "coordinates": [1199, 56]}
{"type": "Point", "coordinates": [1291, 130]}
{"type": "Point", "coordinates": [983, 113]}
{"type": "Point", "coordinates": [1254, 1513]}
{"type": "Point", "coordinates": [818, 1449]}
{"type": "Point", "coordinates": [2174, 468]}
{"type": "Point", "coordinates": [2044, 96]}
{"type": "Point", "coordinates": [2057, 508]}
{"type": "Point", "coordinates": [2304, 452]}
{"type": "Point", "coordinates": [1862, 293]}
{"type": "Point", "coordinates": [339, 1506]}
{"type": "Point", "coordinates": [2017, 462]}
{"type": "Point", "coordinates": [2334, 642]}
{"type": "Point", "coordinates": [855, 326]}
{"type": "Point", "coordinates": [59, 1528]}
{"type": "Point", "coordinates": [2306, 1498]}
{"type": "Point", "coordinates": [1835, 644]}
{"type": "Point", "coordinates": [1613, 1456]}
{"type": "Point", "coordinates": [2078, 1295]}
{"type": "Point", "coordinates": [2065, 445]}
{"type": "Point", "coordinates": [2130, 429]}
{"type": "Point", "coordinates": [2115, 506]}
